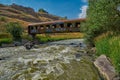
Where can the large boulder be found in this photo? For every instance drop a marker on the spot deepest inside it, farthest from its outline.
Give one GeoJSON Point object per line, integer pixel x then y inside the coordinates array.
{"type": "Point", "coordinates": [105, 67]}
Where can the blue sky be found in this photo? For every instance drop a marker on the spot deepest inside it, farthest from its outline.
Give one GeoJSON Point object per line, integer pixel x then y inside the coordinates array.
{"type": "Point", "coordinates": [71, 8]}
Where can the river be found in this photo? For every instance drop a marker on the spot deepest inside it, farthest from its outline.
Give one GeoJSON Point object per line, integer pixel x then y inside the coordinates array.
{"type": "Point", "coordinates": [60, 60]}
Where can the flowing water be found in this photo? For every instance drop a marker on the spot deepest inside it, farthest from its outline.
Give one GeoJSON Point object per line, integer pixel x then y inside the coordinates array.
{"type": "Point", "coordinates": [53, 61]}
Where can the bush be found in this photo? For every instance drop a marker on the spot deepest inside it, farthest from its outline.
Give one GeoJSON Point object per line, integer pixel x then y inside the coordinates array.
{"type": "Point", "coordinates": [15, 29]}
{"type": "Point", "coordinates": [102, 21]}
{"type": "Point", "coordinates": [42, 11]}
{"type": "Point", "coordinates": [2, 19]}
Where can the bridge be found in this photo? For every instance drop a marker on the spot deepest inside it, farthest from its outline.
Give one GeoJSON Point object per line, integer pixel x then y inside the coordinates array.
{"type": "Point", "coordinates": [59, 26]}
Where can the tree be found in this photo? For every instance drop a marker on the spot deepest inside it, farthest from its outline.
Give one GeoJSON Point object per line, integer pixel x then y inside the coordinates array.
{"type": "Point", "coordinates": [102, 16]}
{"type": "Point", "coordinates": [42, 10]}
{"type": "Point", "coordinates": [15, 29]}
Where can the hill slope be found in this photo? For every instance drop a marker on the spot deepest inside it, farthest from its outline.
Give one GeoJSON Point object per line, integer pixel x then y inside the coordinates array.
{"type": "Point", "coordinates": [24, 15]}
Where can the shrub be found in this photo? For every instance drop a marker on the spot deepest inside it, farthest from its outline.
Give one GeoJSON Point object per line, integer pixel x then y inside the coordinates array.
{"type": "Point", "coordinates": [42, 11]}
{"type": "Point", "coordinates": [2, 18]}
{"type": "Point", "coordinates": [15, 29]}
{"type": "Point", "coordinates": [102, 21]}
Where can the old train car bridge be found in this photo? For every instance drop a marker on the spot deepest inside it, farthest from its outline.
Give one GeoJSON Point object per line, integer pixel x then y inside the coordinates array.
{"type": "Point", "coordinates": [59, 26]}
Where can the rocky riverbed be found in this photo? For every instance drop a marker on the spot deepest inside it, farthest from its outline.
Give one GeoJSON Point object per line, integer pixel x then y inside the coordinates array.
{"type": "Point", "coordinates": [61, 60]}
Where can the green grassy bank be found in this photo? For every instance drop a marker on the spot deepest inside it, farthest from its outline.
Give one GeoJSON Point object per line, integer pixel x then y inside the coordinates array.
{"type": "Point", "coordinates": [110, 46]}
{"type": "Point", "coordinates": [58, 36]}
{"type": "Point", "coordinates": [5, 38]}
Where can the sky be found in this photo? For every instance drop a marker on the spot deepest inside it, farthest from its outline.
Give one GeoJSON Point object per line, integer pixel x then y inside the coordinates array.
{"type": "Point", "coordinates": [73, 9]}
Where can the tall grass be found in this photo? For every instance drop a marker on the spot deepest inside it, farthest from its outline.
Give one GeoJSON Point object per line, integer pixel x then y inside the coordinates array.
{"type": "Point", "coordinates": [48, 38]}
{"type": "Point", "coordinates": [115, 51]}
{"type": "Point", "coordinates": [5, 38]}
{"type": "Point", "coordinates": [103, 46]}
{"type": "Point", "coordinates": [26, 36]}
{"type": "Point", "coordinates": [58, 36]}
{"type": "Point", "coordinates": [110, 46]}
{"type": "Point", "coordinates": [5, 35]}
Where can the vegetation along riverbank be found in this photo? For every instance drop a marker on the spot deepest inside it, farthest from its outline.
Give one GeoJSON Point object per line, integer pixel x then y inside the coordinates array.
{"type": "Point", "coordinates": [102, 29]}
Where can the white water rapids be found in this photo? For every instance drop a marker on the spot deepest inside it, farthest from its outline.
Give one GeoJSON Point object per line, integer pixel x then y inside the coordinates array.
{"type": "Point", "coordinates": [48, 62]}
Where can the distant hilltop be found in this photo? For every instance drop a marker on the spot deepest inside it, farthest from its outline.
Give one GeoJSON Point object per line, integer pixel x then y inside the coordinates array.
{"type": "Point", "coordinates": [23, 14]}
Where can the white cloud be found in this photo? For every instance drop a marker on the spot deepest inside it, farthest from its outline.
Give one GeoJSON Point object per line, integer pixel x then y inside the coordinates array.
{"type": "Point", "coordinates": [83, 11]}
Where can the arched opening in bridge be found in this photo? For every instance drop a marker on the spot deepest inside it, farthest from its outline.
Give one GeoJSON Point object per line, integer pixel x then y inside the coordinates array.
{"type": "Point", "coordinates": [48, 29]}
{"type": "Point", "coordinates": [77, 24]}
{"type": "Point", "coordinates": [62, 26]}
{"type": "Point", "coordinates": [69, 26]}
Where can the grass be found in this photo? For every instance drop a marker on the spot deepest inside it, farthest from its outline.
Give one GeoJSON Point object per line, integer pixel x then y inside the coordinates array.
{"type": "Point", "coordinates": [26, 36]}
{"type": "Point", "coordinates": [103, 46]}
{"type": "Point", "coordinates": [110, 46]}
{"type": "Point", "coordinates": [5, 38]}
{"type": "Point", "coordinates": [58, 36]}
{"type": "Point", "coordinates": [5, 35]}
{"type": "Point", "coordinates": [115, 51]}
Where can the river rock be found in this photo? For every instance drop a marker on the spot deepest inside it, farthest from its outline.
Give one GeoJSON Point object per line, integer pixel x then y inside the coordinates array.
{"type": "Point", "coordinates": [16, 43]}
{"type": "Point", "coordinates": [93, 50]}
{"type": "Point", "coordinates": [105, 67]}
{"type": "Point", "coordinates": [29, 45]}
